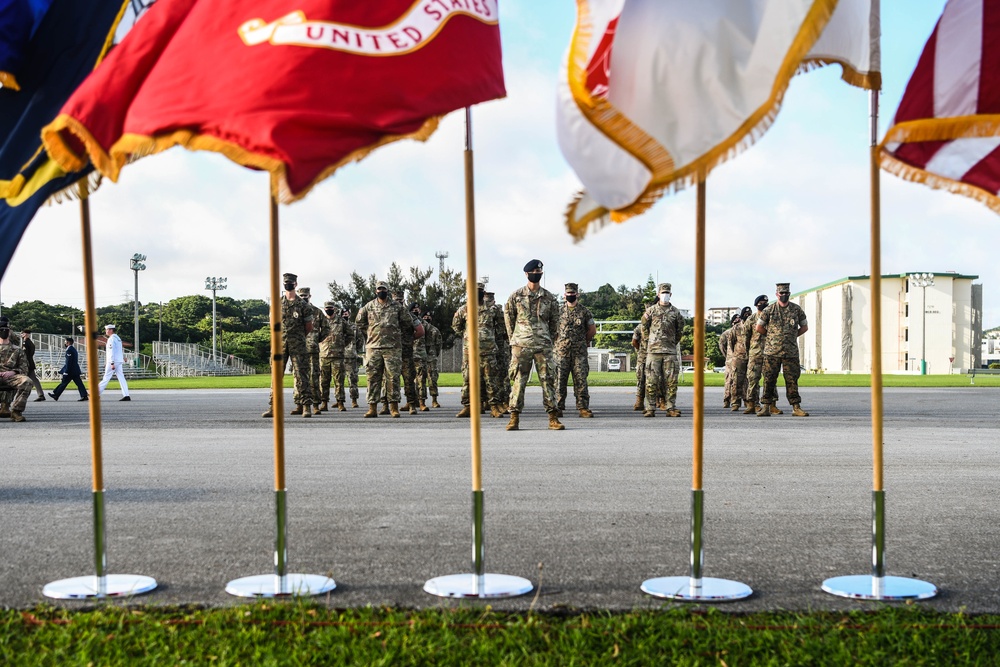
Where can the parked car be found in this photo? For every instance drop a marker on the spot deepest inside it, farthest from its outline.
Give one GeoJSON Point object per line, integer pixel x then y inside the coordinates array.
{"type": "Point", "coordinates": [614, 364]}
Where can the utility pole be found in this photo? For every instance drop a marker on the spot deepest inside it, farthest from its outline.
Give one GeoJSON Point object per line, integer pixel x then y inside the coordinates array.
{"type": "Point", "coordinates": [136, 265]}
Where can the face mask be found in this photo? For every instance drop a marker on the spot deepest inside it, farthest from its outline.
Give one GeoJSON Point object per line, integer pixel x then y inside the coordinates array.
{"type": "Point", "coordinates": [783, 298]}
{"type": "Point", "coordinates": [347, 314]}
{"type": "Point", "coordinates": [330, 311]}
{"type": "Point", "coordinates": [382, 294]}
{"type": "Point", "coordinates": [762, 305]}
{"type": "Point", "coordinates": [427, 319]}
{"type": "Point", "coordinates": [4, 334]}
{"type": "Point", "coordinates": [571, 298]}
{"type": "Point", "coordinates": [534, 278]}
{"type": "Point", "coordinates": [289, 287]}
{"type": "Point", "coordinates": [482, 293]}
{"type": "Point", "coordinates": [665, 298]}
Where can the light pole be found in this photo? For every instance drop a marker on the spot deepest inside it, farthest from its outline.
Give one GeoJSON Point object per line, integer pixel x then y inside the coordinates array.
{"type": "Point", "coordinates": [72, 327]}
{"type": "Point", "coordinates": [214, 284]}
{"type": "Point", "coordinates": [136, 264]}
{"type": "Point", "coordinates": [923, 280]}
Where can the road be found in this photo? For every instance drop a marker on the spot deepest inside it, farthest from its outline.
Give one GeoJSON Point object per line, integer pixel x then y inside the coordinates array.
{"type": "Point", "coordinates": [383, 505]}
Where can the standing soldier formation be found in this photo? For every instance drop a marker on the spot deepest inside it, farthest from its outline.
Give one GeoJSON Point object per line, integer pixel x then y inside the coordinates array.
{"type": "Point", "coordinates": [781, 323]}
{"type": "Point", "coordinates": [429, 377]}
{"type": "Point", "coordinates": [488, 367]}
{"type": "Point", "coordinates": [576, 329]}
{"type": "Point", "coordinates": [383, 321]}
{"type": "Point", "coordinates": [320, 330]}
{"type": "Point", "coordinates": [296, 323]}
{"type": "Point", "coordinates": [336, 348]}
{"type": "Point", "coordinates": [663, 326]}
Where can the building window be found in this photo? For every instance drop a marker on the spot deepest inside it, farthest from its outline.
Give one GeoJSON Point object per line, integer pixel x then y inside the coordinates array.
{"type": "Point", "coordinates": [907, 310]}
{"type": "Point", "coordinates": [906, 334]}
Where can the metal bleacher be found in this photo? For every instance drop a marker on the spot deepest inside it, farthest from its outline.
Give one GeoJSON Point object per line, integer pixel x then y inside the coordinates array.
{"type": "Point", "coordinates": [188, 359]}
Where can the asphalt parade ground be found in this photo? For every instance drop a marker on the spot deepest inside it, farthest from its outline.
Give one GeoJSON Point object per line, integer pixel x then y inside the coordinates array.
{"type": "Point", "coordinates": [383, 505]}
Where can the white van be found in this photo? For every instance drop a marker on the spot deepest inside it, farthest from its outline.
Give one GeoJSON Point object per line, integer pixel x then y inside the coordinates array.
{"type": "Point", "coordinates": [614, 364]}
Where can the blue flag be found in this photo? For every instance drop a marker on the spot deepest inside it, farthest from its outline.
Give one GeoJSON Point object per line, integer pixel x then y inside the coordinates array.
{"type": "Point", "coordinates": [67, 40]}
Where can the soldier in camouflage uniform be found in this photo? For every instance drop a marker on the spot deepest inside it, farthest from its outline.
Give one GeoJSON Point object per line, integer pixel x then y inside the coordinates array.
{"type": "Point", "coordinates": [420, 359]}
{"type": "Point", "coordinates": [782, 323]}
{"type": "Point", "coordinates": [662, 326]}
{"type": "Point", "coordinates": [639, 345]}
{"type": "Point", "coordinates": [755, 357]}
{"type": "Point", "coordinates": [409, 369]}
{"type": "Point", "coordinates": [433, 342]}
{"type": "Point", "coordinates": [740, 344]}
{"type": "Point", "coordinates": [383, 321]}
{"type": "Point", "coordinates": [502, 389]}
{"type": "Point", "coordinates": [353, 359]}
{"type": "Point", "coordinates": [532, 318]}
{"type": "Point", "coordinates": [14, 374]}
{"type": "Point", "coordinates": [726, 348]}
{"type": "Point", "coordinates": [296, 323]}
{"type": "Point", "coordinates": [320, 330]}
{"type": "Point", "coordinates": [576, 329]}
{"type": "Point", "coordinates": [335, 350]}
{"type": "Point", "coordinates": [489, 370]}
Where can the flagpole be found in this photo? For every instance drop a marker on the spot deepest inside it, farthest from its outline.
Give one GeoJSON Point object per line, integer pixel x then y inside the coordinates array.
{"type": "Point", "coordinates": [479, 583]}
{"type": "Point", "coordinates": [877, 586]}
{"type": "Point", "coordinates": [101, 584]}
{"type": "Point", "coordinates": [695, 587]}
{"type": "Point", "coordinates": [281, 583]}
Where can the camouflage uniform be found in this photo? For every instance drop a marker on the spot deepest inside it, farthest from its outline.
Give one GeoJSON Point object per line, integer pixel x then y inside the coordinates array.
{"type": "Point", "coordinates": [409, 367]}
{"type": "Point", "coordinates": [571, 352]}
{"type": "Point", "coordinates": [726, 348]}
{"type": "Point", "coordinates": [419, 362]}
{"type": "Point", "coordinates": [662, 326]}
{"type": "Point", "coordinates": [295, 314]}
{"type": "Point", "coordinates": [354, 359]}
{"type": "Point", "coordinates": [503, 352]}
{"type": "Point", "coordinates": [13, 360]}
{"type": "Point", "coordinates": [335, 352]}
{"type": "Point", "coordinates": [781, 351]}
{"type": "Point", "coordinates": [384, 324]}
{"type": "Point", "coordinates": [755, 361]}
{"type": "Point", "coordinates": [432, 346]}
{"type": "Point", "coordinates": [320, 330]}
{"type": "Point", "coordinates": [639, 343]}
{"type": "Point", "coordinates": [740, 342]}
{"type": "Point", "coordinates": [532, 319]}
{"type": "Point", "coordinates": [489, 369]}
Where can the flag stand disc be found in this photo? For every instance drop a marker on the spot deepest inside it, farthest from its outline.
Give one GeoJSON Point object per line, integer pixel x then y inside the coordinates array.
{"type": "Point", "coordinates": [706, 589]}
{"type": "Point", "coordinates": [489, 586]}
{"type": "Point", "coordinates": [274, 586]}
{"type": "Point", "coordinates": [869, 587]}
{"type": "Point", "coordinates": [96, 587]}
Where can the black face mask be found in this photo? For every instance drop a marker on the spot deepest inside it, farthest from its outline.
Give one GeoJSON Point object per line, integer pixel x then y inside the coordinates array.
{"type": "Point", "coordinates": [347, 315]}
{"type": "Point", "coordinates": [534, 278]}
{"type": "Point", "coordinates": [783, 298]}
{"type": "Point", "coordinates": [762, 305]}
{"type": "Point", "coordinates": [382, 294]}
{"type": "Point", "coordinates": [330, 311]}
{"type": "Point", "coordinates": [480, 295]}
{"type": "Point", "coordinates": [289, 287]}
{"type": "Point", "coordinates": [571, 298]}
{"type": "Point", "coordinates": [4, 334]}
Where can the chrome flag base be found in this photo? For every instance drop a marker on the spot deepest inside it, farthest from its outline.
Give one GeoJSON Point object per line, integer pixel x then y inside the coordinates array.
{"type": "Point", "coordinates": [95, 587]}
{"type": "Point", "coordinates": [706, 589]}
{"type": "Point", "coordinates": [274, 586]}
{"type": "Point", "coordinates": [868, 587]}
{"type": "Point", "coordinates": [473, 586]}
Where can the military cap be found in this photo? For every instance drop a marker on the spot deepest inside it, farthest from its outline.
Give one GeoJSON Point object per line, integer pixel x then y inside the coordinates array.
{"type": "Point", "coordinates": [381, 285]}
{"type": "Point", "coordinates": [303, 292]}
{"type": "Point", "coordinates": [663, 287]}
{"type": "Point", "coordinates": [330, 304]}
{"type": "Point", "coordinates": [760, 299]}
{"type": "Point", "coordinates": [109, 326]}
{"type": "Point", "coordinates": [489, 293]}
{"type": "Point", "coordinates": [289, 278]}
{"type": "Point", "coordinates": [481, 286]}
{"type": "Point", "coordinates": [783, 287]}
{"type": "Point", "coordinates": [533, 265]}
{"type": "Point", "coordinates": [734, 319]}
{"type": "Point", "coordinates": [572, 288]}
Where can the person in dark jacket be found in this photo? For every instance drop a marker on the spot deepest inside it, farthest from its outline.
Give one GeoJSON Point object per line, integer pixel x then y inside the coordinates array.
{"type": "Point", "coordinates": [29, 351]}
{"type": "Point", "coordinates": [70, 371]}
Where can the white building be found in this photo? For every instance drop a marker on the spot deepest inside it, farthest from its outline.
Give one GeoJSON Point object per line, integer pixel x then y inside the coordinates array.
{"type": "Point", "coordinates": [716, 316]}
{"type": "Point", "coordinates": [941, 323]}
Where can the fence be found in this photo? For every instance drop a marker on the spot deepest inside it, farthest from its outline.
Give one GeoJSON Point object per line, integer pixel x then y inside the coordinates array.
{"type": "Point", "coordinates": [188, 360]}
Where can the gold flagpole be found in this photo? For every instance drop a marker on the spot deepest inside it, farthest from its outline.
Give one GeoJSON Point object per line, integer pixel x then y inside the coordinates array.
{"type": "Point", "coordinates": [696, 587]}
{"type": "Point", "coordinates": [281, 583]}
{"type": "Point", "coordinates": [478, 584]}
{"type": "Point", "coordinates": [102, 584]}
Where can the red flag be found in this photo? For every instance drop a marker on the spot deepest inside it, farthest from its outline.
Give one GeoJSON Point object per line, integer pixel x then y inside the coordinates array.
{"type": "Point", "coordinates": [946, 133]}
{"type": "Point", "coordinates": [295, 89]}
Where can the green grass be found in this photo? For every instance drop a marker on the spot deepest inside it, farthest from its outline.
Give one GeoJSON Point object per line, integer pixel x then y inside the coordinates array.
{"type": "Point", "coordinates": [306, 633]}
{"type": "Point", "coordinates": [625, 379]}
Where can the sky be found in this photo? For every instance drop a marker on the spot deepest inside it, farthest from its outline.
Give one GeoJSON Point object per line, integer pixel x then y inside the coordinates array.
{"type": "Point", "coordinates": [794, 207]}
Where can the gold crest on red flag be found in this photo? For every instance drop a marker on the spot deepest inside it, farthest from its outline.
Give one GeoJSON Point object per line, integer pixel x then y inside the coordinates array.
{"type": "Point", "coordinates": [295, 89]}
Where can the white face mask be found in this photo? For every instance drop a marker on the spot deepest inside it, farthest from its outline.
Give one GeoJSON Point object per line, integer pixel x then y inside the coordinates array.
{"type": "Point", "coordinates": [665, 298]}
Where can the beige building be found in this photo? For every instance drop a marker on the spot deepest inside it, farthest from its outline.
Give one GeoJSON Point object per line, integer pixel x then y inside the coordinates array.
{"type": "Point", "coordinates": [941, 323]}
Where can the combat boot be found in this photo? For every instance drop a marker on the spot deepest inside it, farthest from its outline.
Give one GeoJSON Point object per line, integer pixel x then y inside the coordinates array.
{"type": "Point", "coordinates": [554, 424]}
{"type": "Point", "coordinates": [341, 407]}
{"type": "Point", "coordinates": [751, 409]}
{"type": "Point", "coordinates": [269, 414]}
{"type": "Point", "coordinates": [16, 416]}
{"type": "Point", "coordinates": [673, 412]}
{"type": "Point", "coordinates": [496, 411]}
{"type": "Point", "coordinates": [385, 409]}
{"type": "Point", "coordinates": [434, 403]}
{"type": "Point", "coordinates": [736, 407]}
{"type": "Point", "coordinates": [4, 410]}
{"type": "Point", "coordinates": [323, 407]}
{"type": "Point", "coordinates": [649, 413]}
{"type": "Point", "coordinates": [372, 411]}
{"type": "Point", "coordinates": [764, 410]}
{"type": "Point", "coordinates": [413, 409]}
{"type": "Point", "coordinates": [296, 411]}
{"type": "Point", "coordinates": [354, 402]}
{"type": "Point", "coordinates": [423, 406]}
{"type": "Point", "coordinates": [774, 409]}
{"type": "Point", "coordinates": [585, 412]}
{"type": "Point", "coordinates": [307, 411]}
{"type": "Point", "coordinates": [725, 404]}
{"type": "Point", "coordinates": [661, 404]}
{"type": "Point", "coordinates": [464, 412]}
{"type": "Point", "coordinates": [514, 423]}
{"type": "Point", "coordinates": [638, 404]}
{"type": "Point", "coordinates": [394, 410]}
{"type": "Point", "coordinates": [797, 411]}
{"type": "Point", "coordinates": [406, 406]}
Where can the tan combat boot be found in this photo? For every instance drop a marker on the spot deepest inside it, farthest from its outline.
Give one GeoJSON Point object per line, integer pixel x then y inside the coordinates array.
{"type": "Point", "coordinates": [764, 410]}
{"type": "Point", "coordinates": [423, 406]}
{"type": "Point", "coordinates": [649, 413]}
{"type": "Point", "coordinates": [268, 414]}
{"type": "Point", "coordinates": [323, 407]}
{"type": "Point", "coordinates": [465, 411]}
{"type": "Point", "coordinates": [354, 402]}
{"type": "Point", "coordinates": [296, 411]}
{"type": "Point", "coordinates": [385, 409]}
{"type": "Point", "coordinates": [341, 407]}
{"type": "Point", "coordinates": [434, 403]}
{"type": "Point", "coordinates": [673, 412]}
{"type": "Point", "coordinates": [797, 411]}
{"type": "Point", "coordinates": [751, 409]}
{"type": "Point", "coordinates": [585, 412]}
{"type": "Point", "coordinates": [16, 416]}
{"type": "Point", "coordinates": [774, 409]}
{"type": "Point", "coordinates": [412, 409]}
{"type": "Point", "coordinates": [406, 406]}
{"type": "Point", "coordinates": [725, 404]}
{"type": "Point", "coordinates": [307, 411]}
{"type": "Point", "coordinates": [554, 424]}
{"type": "Point", "coordinates": [661, 404]}
{"type": "Point", "coordinates": [496, 411]}
{"type": "Point", "coordinates": [372, 411]}
{"type": "Point", "coordinates": [638, 404]}
{"type": "Point", "coordinates": [514, 423]}
{"type": "Point", "coordinates": [394, 410]}
{"type": "Point", "coordinates": [736, 407]}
